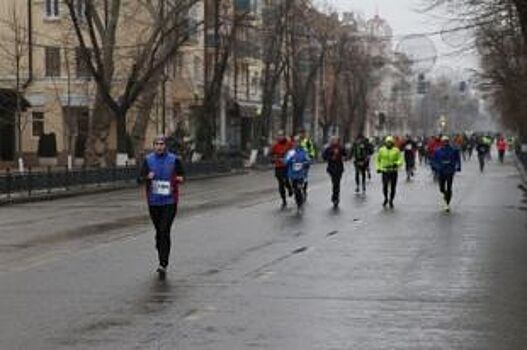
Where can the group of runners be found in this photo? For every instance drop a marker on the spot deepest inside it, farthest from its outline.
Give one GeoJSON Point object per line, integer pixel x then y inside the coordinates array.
{"type": "Point", "coordinates": [443, 153]}
{"type": "Point", "coordinates": [162, 172]}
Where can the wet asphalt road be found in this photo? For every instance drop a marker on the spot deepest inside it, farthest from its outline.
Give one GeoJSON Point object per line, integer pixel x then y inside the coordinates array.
{"type": "Point", "coordinates": [79, 273]}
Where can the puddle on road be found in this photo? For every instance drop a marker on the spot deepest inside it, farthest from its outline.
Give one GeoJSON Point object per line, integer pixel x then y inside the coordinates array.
{"type": "Point", "coordinates": [155, 299]}
{"type": "Point", "coordinates": [198, 313]}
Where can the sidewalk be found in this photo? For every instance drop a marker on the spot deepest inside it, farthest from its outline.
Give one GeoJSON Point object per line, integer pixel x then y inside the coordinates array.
{"type": "Point", "coordinates": [79, 190]}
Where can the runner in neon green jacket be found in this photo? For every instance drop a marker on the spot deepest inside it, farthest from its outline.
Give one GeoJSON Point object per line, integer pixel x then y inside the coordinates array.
{"type": "Point", "coordinates": [389, 157]}
{"type": "Point", "coordinates": [388, 161]}
{"type": "Point", "coordinates": [307, 144]}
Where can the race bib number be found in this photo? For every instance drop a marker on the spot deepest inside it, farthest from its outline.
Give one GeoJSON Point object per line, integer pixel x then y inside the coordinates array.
{"type": "Point", "coordinates": [162, 188]}
{"type": "Point", "coordinates": [298, 166]}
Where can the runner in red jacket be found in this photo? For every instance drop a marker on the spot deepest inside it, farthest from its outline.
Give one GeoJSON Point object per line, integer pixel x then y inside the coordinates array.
{"type": "Point", "coordinates": [278, 152]}
{"type": "Point", "coordinates": [502, 146]}
{"type": "Point", "coordinates": [434, 143]}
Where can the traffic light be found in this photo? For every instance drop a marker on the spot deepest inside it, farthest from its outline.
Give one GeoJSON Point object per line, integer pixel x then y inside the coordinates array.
{"type": "Point", "coordinates": [463, 86]}
{"type": "Point", "coordinates": [382, 119]}
{"type": "Point", "coordinates": [422, 84]}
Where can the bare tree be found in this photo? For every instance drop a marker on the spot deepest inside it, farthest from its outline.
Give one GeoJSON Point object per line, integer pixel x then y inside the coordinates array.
{"type": "Point", "coordinates": [307, 42]}
{"type": "Point", "coordinates": [98, 29]}
{"type": "Point", "coordinates": [501, 40]}
{"type": "Point", "coordinates": [15, 51]}
{"type": "Point", "coordinates": [221, 26]}
{"type": "Point", "coordinates": [273, 57]}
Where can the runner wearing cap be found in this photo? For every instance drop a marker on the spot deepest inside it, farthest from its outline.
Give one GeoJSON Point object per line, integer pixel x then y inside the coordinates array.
{"type": "Point", "coordinates": [388, 161]}
{"type": "Point", "coordinates": [446, 162]}
{"type": "Point", "coordinates": [162, 172]}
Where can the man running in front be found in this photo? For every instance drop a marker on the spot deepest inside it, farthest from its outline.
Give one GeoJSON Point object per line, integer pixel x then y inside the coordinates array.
{"type": "Point", "coordinates": [162, 172]}
{"type": "Point", "coordinates": [388, 161]}
{"type": "Point", "coordinates": [446, 162]}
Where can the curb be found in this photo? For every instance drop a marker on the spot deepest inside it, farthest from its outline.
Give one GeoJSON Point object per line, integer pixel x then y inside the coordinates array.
{"type": "Point", "coordinates": [106, 187]}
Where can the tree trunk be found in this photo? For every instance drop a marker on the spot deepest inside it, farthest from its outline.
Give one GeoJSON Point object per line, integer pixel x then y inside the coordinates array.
{"type": "Point", "coordinates": [325, 132]}
{"type": "Point", "coordinates": [521, 7]}
{"type": "Point", "coordinates": [141, 122]}
{"type": "Point", "coordinates": [120, 121]}
{"type": "Point", "coordinates": [97, 147]}
{"type": "Point", "coordinates": [299, 107]}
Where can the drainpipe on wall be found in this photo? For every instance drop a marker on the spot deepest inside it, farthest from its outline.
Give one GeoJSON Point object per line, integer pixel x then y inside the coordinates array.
{"type": "Point", "coordinates": [29, 44]}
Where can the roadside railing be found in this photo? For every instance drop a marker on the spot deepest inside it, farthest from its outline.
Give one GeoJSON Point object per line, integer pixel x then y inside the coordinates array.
{"type": "Point", "coordinates": [52, 180]}
{"type": "Point", "coordinates": [521, 153]}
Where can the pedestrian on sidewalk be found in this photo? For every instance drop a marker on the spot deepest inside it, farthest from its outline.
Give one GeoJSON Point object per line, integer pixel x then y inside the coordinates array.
{"type": "Point", "coordinates": [278, 153]}
{"type": "Point", "coordinates": [446, 162]}
{"type": "Point", "coordinates": [334, 155]}
{"type": "Point", "coordinates": [501, 145]}
{"type": "Point", "coordinates": [388, 161]}
{"type": "Point", "coordinates": [162, 172]}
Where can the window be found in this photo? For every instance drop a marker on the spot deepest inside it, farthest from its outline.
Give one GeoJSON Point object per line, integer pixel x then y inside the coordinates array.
{"type": "Point", "coordinates": [38, 124]}
{"type": "Point", "coordinates": [178, 65]}
{"type": "Point", "coordinates": [198, 67]}
{"type": "Point", "coordinates": [81, 64]}
{"type": "Point", "coordinates": [80, 9]}
{"type": "Point", "coordinates": [52, 57]}
{"type": "Point", "coordinates": [52, 8]}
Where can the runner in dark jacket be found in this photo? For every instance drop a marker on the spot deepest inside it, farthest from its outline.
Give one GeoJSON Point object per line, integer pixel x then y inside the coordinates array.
{"type": "Point", "coordinates": [446, 162]}
{"type": "Point", "coordinates": [360, 153]}
{"type": "Point", "coordinates": [334, 155]}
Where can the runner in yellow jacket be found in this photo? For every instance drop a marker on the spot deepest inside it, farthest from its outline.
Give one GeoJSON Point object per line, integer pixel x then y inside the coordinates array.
{"type": "Point", "coordinates": [307, 144]}
{"type": "Point", "coordinates": [388, 162]}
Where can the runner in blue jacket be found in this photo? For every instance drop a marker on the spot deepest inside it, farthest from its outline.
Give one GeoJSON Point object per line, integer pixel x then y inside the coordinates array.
{"type": "Point", "coordinates": [446, 162]}
{"type": "Point", "coordinates": [297, 162]}
{"type": "Point", "coordinates": [162, 172]}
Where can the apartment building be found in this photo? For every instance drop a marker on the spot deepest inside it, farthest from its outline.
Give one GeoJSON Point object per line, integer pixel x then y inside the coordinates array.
{"type": "Point", "coordinates": [41, 67]}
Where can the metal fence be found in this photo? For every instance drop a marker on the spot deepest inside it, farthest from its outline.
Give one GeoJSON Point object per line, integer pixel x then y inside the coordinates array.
{"type": "Point", "coordinates": [31, 182]}
{"type": "Point", "coordinates": [522, 156]}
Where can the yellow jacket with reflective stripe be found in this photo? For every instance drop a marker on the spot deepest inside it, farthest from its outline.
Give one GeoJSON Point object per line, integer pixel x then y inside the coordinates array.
{"type": "Point", "coordinates": [389, 159]}
{"type": "Point", "coordinates": [308, 146]}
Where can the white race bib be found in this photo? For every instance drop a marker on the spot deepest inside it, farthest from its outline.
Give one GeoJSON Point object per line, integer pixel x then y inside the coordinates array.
{"type": "Point", "coordinates": [298, 166]}
{"type": "Point", "coordinates": [162, 188]}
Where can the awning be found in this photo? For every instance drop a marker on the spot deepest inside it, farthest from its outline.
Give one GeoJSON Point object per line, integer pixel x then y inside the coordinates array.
{"type": "Point", "coordinates": [37, 100]}
{"type": "Point", "coordinates": [249, 109]}
{"type": "Point", "coordinates": [8, 100]}
{"type": "Point", "coordinates": [76, 100]}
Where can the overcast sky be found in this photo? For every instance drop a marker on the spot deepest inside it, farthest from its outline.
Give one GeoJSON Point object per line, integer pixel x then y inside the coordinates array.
{"type": "Point", "coordinates": [404, 18]}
